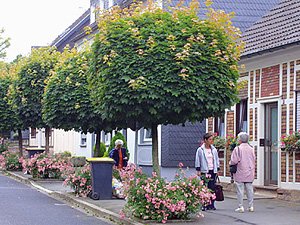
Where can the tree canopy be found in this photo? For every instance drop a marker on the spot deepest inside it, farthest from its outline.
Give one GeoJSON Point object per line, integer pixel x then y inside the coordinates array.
{"type": "Point", "coordinates": [164, 67]}
{"type": "Point", "coordinates": [156, 66]}
{"type": "Point", "coordinates": [8, 120]}
{"type": "Point", "coordinates": [4, 44]}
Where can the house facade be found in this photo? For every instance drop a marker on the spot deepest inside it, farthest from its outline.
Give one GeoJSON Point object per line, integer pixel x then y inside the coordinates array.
{"type": "Point", "coordinates": [266, 111]}
{"type": "Point", "coordinates": [269, 106]}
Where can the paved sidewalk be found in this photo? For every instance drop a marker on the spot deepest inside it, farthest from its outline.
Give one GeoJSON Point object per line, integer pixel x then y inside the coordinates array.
{"type": "Point", "coordinates": [267, 209]}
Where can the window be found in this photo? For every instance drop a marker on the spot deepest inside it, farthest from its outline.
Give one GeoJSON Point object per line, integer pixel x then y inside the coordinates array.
{"type": "Point", "coordinates": [107, 138]}
{"type": "Point", "coordinates": [83, 139]}
{"type": "Point", "coordinates": [241, 116]}
{"type": "Point", "coordinates": [220, 126]}
{"type": "Point", "coordinates": [147, 135]}
{"type": "Point", "coordinates": [32, 132]}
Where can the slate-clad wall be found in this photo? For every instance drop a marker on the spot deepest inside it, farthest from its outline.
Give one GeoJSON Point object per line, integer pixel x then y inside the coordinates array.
{"type": "Point", "coordinates": [179, 144]}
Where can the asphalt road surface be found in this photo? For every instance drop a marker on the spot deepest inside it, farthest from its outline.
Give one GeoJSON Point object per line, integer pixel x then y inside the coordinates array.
{"type": "Point", "coordinates": [23, 205]}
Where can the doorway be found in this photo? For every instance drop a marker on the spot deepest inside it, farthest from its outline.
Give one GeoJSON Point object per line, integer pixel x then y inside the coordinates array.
{"type": "Point", "coordinates": [271, 144]}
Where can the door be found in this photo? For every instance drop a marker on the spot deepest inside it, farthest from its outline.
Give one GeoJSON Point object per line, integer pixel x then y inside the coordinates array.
{"type": "Point", "coordinates": [271, 144]}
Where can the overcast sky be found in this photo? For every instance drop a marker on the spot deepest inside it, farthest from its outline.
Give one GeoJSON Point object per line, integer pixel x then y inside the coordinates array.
{"type": "Point", "coordinates": [36, 22]}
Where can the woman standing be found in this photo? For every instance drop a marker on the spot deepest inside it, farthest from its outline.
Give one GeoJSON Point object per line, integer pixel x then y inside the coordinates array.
{"type": "Point", "coordinates": [207, 165]}
{"type": "Point", "coordinates": [244, 157]}
{"type": "Point", "coordinates": [118, 153]}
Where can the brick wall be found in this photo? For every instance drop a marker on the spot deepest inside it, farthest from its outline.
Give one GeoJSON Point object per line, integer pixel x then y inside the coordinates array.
{"type": "Point", "coordinates": [297, 157]}
{"type": "Point", "coordinates": [251, 87]}
{"type": "Point", "coordinates": [210, 128]}
{"type": "Point", "coordinates": [270, 81]}
{"type": "Point", "coordinates": [283, 119]}
{"type": "Point", "coordinates": [257, 81]}
{"type": "Point", "coordinates": [298, 79]}
{"type": "Point", "coordinates": [229, 130]}
{"type": "Point", "coordinates": [283, 166]}
{"type": "Point", "coordinates": [292, 79]}
{"type": "Point", "coordinates": [251, 124]}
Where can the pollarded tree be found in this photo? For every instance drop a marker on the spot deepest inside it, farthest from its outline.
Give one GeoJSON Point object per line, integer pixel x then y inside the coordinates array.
{"type": "Point", "coordinates": [4, 44]}
{"type": "Point", "coordinates": [7, 119]}
{"type": "Point", "coordinates": [28, 88]}
{"type": "Point", "coordinates": [67, 104]}
{"type": "Point", "coordinates": [156, 67]}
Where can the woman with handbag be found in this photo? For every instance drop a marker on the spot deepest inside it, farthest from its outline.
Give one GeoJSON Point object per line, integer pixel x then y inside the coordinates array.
{"type": "Point", "coordinates": [244, 157]}
{"type": "Point", "coordinates": [207, 165]}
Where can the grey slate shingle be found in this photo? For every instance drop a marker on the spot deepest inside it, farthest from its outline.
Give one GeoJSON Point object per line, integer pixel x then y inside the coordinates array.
{"type": "Point", "coordinates": [247, 12]}
{"type": "Point", "coordinates": [279, 27]}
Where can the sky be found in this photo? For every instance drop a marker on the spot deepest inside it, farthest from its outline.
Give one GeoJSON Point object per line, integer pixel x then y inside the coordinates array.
{"type": "Point", "coordinates": [36, 22]}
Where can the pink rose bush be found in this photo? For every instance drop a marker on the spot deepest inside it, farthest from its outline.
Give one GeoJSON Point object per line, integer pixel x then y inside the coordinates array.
{"type": "Point", "coordinates": [80, 180]}
{"type": "Point", "coordinates": [3, 144]}
{"type": "Point", "coordinates": [46, 166]}
{"type": "Point", "coordinates": [10, 160]}
{"type": "Point", "coordinates": [155, 198]}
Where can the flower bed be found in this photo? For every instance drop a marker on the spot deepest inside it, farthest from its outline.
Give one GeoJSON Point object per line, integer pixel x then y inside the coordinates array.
{"type": "Point", "coordinates": [10, 160]}
{"type": "Point", "coordinates": [154, 198]}
{"type": "Point", "coordinates": [47, 166]}
{"type": "Point", "coordinates": [80, 180]}
{"type": "Point", "coordinates": [3, 144]}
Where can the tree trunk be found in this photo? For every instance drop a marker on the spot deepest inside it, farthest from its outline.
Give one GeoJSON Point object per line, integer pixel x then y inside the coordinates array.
{"type": "Point", "coordinates": [20, 143]}
{"type": "Point", "coordinates": [47, 137]}
{"type": "Point", "coordinates": [97, 147]}
{"type": "Point", "coordinates": [155, 149]}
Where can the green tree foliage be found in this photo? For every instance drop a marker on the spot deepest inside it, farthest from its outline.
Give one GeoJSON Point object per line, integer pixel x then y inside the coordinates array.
{"type": "Point", "coordinates": [154, 66]}
{"type": "Point", "coordinates": [8, 119]}
{"type": "Point", "coordinates": [29, 85]}
{"type": "Point", "coordinates": [67, 104]}
{"type": "Point", "coordinates": [102, 150]}
{"type": "Point", "coordinates": [4, 44]}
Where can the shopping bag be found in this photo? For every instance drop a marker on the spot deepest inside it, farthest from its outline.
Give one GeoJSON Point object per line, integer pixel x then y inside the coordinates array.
{"type": "Point", "coordinates": [219, 191]}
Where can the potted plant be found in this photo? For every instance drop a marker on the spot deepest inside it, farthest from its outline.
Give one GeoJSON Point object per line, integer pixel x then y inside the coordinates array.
{"type": "Point", "coordinates": [218, 142]}
{"type": "Point", "coordinates": [291, 142]}
{"type": "Point", "coordinates": [231, 141]}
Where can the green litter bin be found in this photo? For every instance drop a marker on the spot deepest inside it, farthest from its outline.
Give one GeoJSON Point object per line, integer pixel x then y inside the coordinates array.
{"type": "Point", "coordinates": [101, 177]}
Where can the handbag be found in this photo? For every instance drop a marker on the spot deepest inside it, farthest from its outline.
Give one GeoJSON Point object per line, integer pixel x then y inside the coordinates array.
{"type": "Point", "coordinates": [219, 191]}
{"type": "Point", "coordinates": [233, 168]}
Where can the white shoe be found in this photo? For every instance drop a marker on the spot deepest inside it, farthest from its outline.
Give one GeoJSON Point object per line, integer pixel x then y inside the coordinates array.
{"type": "Point", "coordinates": [241, 209]}
{"type": "Point", "coordinates": [251, 209]}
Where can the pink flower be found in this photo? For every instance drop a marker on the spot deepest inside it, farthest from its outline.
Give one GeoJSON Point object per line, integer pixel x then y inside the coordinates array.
{"type": "Point", "coordinates": [180, 165]}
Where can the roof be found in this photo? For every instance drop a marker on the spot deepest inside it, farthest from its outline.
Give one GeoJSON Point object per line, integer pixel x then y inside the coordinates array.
{"type": "Point", "coordinates": [278, 28]}
{"type": "Point", "coordinates": [75, 28]}
{"type": "Point", "coordinates": [247, 12]}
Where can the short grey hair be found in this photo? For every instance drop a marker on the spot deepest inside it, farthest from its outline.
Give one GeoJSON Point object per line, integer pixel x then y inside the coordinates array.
{"type": "Point", "coordinates": [243, 137]}
{"type": "Point", "coordinates": [119, 142]}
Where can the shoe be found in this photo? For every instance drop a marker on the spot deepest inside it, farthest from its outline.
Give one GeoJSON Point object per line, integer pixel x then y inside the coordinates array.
{"type": "Point", "coordinates": [203, 208]}
{"type": "Point", "coordinates": [241, 210]}
{"type": "Point", "coordinates": [232, 181]}
{"type": "Point", "coordinates": [251, 209]}
{"type": "Point", "coordinates": [211, 208]}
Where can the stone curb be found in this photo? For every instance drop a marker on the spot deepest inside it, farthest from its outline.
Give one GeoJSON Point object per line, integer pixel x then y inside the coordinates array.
{"type": "Point", "coordinates": [102, 212]}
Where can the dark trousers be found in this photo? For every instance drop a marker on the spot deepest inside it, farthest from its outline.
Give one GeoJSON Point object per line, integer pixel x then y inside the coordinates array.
{"type": "Point", "coordinates": [210, 183]}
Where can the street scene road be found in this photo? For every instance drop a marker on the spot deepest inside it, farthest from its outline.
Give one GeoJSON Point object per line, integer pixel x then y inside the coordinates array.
{"type": "Point", "coordinates": [24, 205]}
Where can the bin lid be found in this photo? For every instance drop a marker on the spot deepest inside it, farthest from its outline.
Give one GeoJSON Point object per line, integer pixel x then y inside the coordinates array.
{"type": "Point", "coordinates": [98, 159]}
{"type": "Point", "coordinates": [34, 149]}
